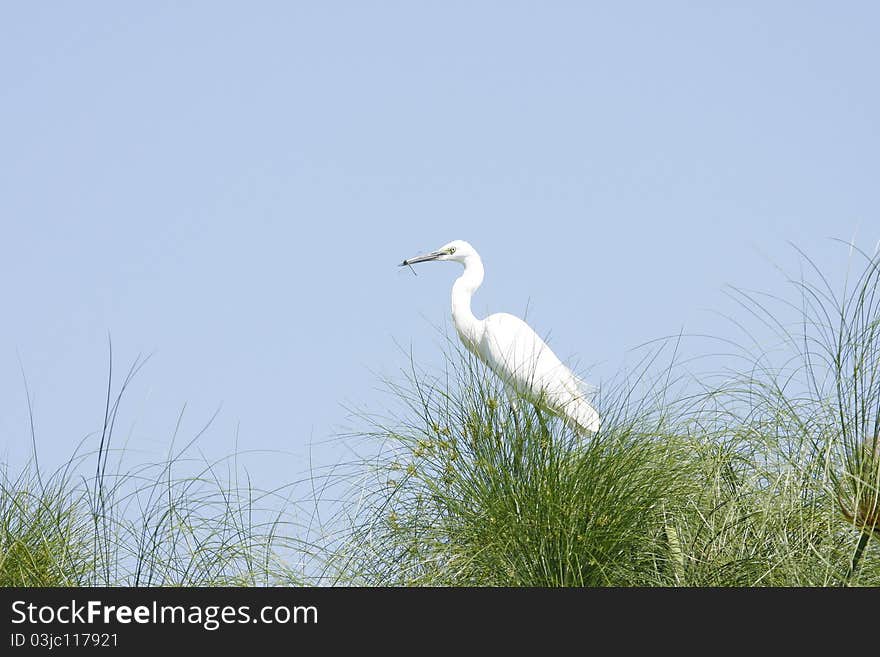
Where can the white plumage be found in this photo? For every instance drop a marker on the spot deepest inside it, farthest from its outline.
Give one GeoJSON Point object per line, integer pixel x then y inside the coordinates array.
{"type": "Point", "coordinates": [509, 346]}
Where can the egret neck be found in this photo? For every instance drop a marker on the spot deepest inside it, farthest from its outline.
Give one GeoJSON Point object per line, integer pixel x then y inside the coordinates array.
{"type": "Point", "coordinates": [470, 329]}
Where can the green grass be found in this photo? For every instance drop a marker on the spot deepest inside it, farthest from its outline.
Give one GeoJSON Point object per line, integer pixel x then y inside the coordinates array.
{"type": "Point", "coordinates": [764, 473]}
{"type": "Point", "coordinates": [44, 533]}
{"type": "Point", "coordinates": [144, 527]}
{"type": "Point", "coordinates": [182, 521]}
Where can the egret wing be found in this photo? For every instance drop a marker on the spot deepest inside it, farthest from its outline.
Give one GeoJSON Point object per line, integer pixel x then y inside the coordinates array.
{"type": "Point", "coordinates": [518, 355]}
{"type": "Point", "coordinates": [524, 361]}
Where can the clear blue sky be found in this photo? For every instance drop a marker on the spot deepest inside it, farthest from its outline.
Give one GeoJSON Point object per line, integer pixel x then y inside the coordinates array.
{"type": "Point", "coordinates": [229, 187]}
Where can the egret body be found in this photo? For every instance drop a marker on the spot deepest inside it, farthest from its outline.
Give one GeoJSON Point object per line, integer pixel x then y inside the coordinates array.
{"type": "Point", "coordinates": [510, 347]}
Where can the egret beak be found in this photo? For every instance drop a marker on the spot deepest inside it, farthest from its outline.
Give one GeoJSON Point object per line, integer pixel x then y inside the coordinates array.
{"type": "Point", "coordinates": [423, 258]}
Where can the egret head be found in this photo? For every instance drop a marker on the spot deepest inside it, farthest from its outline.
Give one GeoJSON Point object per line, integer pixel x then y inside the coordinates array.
{"type": "Point", "coordinates": [455, 251]}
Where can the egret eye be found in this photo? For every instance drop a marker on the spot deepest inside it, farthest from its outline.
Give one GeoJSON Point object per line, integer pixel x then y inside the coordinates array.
{"type": "Point", "coordinates": [451, 250]}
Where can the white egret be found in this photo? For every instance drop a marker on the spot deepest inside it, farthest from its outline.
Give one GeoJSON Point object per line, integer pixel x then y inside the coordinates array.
{"type": "Point", "coordinates": [510, 347]}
